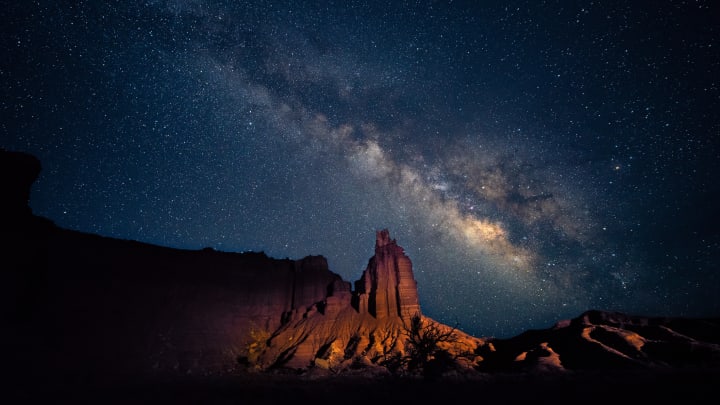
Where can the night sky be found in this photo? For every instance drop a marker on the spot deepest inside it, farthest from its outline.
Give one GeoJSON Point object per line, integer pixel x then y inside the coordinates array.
{"type": "Point", "coordinates": [535, 159]}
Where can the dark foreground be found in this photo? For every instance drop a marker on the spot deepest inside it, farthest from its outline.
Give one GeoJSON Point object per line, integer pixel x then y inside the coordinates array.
{"type": "Point", "coordinates": [678, 386]}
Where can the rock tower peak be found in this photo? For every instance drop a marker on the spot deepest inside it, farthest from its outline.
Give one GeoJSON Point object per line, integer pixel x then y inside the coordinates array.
{"type": "Point", "coordinates": [387, 288]}
{"type": "Point", "coordinates": [383, 238]}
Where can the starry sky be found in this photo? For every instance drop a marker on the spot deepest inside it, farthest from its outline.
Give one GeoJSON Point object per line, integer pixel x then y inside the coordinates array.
{"type": "Point", "coordinates": [535, 159]}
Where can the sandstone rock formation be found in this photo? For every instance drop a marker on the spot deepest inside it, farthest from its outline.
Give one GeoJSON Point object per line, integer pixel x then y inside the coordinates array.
{"type": "Point", "coordinates": [367, 327]}
{"type": "Point", "coordinates": [104, 306]}
{"type": "Point", "coordinates": [600, 340]}
{"type": "Point", "coordinates": [388, 288]}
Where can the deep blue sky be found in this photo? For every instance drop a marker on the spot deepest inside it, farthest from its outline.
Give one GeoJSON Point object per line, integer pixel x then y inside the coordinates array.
{"type": "Point", "coordinates": [534, 158]}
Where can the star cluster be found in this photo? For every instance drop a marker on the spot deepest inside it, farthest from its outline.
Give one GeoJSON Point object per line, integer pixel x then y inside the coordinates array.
{"type": "Point", "coordinates": [534, 159]}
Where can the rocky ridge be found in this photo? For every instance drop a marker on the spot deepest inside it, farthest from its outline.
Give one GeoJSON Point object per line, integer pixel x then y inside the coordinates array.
{"type": "Point", "coordinates": [605, 340]}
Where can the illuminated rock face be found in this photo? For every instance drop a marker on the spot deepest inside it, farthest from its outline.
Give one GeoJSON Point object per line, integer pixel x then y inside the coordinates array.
{"type": "Point", "coordinates": [387, 287]}
{"type": "Point", "coordinates": [368, 325]}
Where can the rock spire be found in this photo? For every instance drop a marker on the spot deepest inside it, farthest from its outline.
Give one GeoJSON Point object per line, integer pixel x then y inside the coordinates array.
{"type": "Point", "coordinates": [387, 288]}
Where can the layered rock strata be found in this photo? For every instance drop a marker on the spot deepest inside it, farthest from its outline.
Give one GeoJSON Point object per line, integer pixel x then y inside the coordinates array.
{"type": "Point", "coordinates": [387, 287]}
{"type": "Point", "coordinates": [368, 326]}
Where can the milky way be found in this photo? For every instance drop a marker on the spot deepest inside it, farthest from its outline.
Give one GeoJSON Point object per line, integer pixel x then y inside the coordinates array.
{"type": "Point", "coordinates": [534, 159]}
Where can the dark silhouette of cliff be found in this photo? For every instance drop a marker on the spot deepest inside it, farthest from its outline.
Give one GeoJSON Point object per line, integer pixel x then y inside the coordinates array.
{"type": "Point", "coordinates": [86, 305]}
